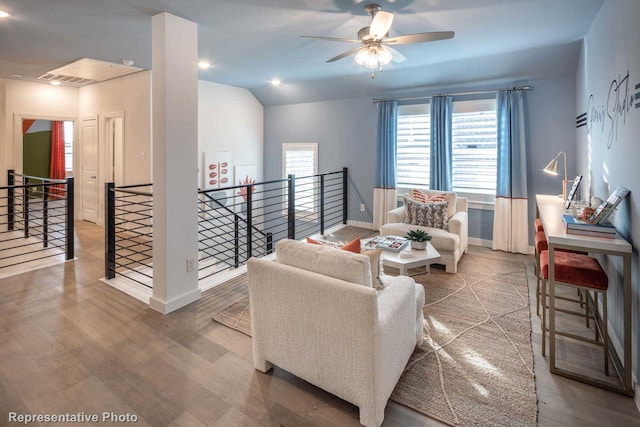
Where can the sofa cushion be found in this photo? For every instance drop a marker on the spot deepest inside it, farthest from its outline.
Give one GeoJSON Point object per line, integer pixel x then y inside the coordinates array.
{"type": "Point", "coordinates": [430, 214]}
{"type": "Point", "coordinates": [440, 239]}
{"type": "Point", "coordinates": [356, 247]}
{"type": "Point", "coordinates": [343, 265]}
{"type": "Point", "coordinates": [434, 195]}
{"type": "Point", "coordinates": [352, 246]}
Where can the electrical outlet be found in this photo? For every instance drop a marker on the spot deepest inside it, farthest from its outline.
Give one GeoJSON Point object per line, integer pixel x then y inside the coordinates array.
{"type": "Point", "coordinates": [191, 265]}
{"type": "Point", "coordinates": [362, 207]}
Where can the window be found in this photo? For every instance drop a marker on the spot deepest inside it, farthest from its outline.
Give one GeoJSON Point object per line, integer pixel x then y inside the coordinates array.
{"type": "Point", "coordinates": [301, 160]}
{"type": "Point", "coordinates": [413, 146]}
{"type": "Point", "coordinates": [474, 148]}
{"type": "Point", "coordinates": [68, 147]}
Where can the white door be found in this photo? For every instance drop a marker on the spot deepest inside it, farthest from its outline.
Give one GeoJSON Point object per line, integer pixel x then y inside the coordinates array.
{"type": "Point", "coordinates": [89, 140]}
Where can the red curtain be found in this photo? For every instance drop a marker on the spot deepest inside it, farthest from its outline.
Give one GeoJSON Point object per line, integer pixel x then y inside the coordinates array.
{"type": "Point", "coordinates": [57, 169]}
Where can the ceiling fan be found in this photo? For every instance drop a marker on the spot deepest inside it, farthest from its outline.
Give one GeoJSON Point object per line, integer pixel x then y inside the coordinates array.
{"type": "Point", "coordinates": [374, 48]}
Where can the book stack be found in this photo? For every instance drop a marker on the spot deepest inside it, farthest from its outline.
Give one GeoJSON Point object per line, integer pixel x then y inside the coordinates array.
{"type": "Point", "coordinates": [574, 225]}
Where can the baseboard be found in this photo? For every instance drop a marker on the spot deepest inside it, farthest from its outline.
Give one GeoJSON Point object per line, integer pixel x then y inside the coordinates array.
{"type": "Point", "coordinates": [129, 287]}
{"type": "Point", "coordinates": [362, 224]}
{"type": "Point", "coordinates": [221, 277]}
{"type": "Point", "coordinates": [474, 241]}
{"type": "Point", "coordinates": [166, 307]}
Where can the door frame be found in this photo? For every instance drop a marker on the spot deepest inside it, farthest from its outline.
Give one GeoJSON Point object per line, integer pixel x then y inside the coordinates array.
{"type": "Point", "coordinates": [106, 150]}
{"type": "Point", "coordinates": [18, 147]}
{"type": "Point", "coordinates": [80, 138]}
{"type": "Point", "coordinates": [110, 158]}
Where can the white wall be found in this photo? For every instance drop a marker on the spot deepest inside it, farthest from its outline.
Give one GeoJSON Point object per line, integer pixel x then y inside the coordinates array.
{"type": "Point", "coordinates": [230, 119]}
{"type": "Point", "coordinates": [33, 101]}
{"type": "Point", "coordinates": [608, 148]}
{"type": "Point", "coordinates": [130, 95]}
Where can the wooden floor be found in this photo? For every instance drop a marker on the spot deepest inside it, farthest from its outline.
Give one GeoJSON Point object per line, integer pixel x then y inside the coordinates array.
{"type": "Point", "coordinates": [69, 344]}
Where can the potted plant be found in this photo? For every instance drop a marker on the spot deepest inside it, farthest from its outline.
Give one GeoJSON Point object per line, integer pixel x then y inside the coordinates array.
{"type": "Point", "coordinates": [418, 238]}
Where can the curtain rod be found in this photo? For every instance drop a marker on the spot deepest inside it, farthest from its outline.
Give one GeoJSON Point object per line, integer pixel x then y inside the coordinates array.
{"type": "Point", "coordinates": [477, 92]}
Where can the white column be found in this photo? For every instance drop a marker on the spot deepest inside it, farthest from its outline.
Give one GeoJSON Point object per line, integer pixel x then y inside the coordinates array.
{"type": "Point", "coordinates": [175, 141]}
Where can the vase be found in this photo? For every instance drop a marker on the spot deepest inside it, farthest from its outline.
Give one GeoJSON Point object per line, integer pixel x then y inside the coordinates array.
{"type": "Point", "coordinates": [418, 245]}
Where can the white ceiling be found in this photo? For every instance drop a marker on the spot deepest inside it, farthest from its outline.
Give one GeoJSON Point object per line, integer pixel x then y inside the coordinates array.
{"type": "Point", "coordinates": [250, 42]}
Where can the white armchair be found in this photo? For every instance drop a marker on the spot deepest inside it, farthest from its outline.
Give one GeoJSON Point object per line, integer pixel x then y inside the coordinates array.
{"type": "Point", "coordinates": [315, 314]}
{"type": "Point", "coordinates": [450, 244]}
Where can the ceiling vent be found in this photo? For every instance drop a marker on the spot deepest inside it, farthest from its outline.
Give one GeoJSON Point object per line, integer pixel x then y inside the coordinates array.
{"type": "Point", "coordinates": [85, 71]}
{"type": "Point", "coordinates": [75, 81]}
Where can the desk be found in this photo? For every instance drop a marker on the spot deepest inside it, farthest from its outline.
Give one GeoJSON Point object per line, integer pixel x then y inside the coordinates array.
{"type": "Point", "coordinates": [550, 211]}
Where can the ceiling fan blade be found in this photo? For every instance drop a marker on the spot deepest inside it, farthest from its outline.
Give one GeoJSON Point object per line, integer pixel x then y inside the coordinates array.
{"type": "Point", "coordinates": [421, 37]}
{"type": "Point", "coordinates": [380, 25]}
{"type": "Point", "coordinates": [332, 39]}
{"type": "Point", "coordinates": [396, 56]}
{"type": "Point", "coordinates": [345, 54]}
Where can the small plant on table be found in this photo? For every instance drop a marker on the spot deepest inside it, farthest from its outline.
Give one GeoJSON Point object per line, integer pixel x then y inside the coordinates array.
{"type": "Point", "coordinates": [418, 238]}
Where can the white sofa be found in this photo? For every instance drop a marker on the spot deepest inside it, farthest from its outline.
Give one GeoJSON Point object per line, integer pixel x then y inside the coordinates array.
{"type": "Point", "coordinates": [450, 244]}
{"type": "Point", "coordinates": [315, 314]}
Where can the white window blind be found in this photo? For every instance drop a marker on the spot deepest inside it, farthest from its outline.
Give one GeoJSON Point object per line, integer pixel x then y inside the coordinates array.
{"type": "Point", "coordinates": [68, 146]}
{"type": "Point", "coordinates": [474, 154]}
{"type": "Point", "coordinates": [413, 146]}
{"type": "Point", "coordinates": [301, 160]}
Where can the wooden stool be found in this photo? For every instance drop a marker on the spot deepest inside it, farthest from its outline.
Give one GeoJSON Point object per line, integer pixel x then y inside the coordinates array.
{"type": "Point", "coordinates": [582, 272]}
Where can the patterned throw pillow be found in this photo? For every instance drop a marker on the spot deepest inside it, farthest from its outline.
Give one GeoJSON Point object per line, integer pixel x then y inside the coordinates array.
{"type": "Point", "coordinates": [431, 214]}
{"type": "Point", "coordinates": [419, 196]}
{"type": "Point", "coordinates": [434, 196]}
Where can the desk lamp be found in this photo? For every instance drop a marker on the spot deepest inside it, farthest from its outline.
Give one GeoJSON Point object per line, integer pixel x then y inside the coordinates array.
{"type": "Point", "coordinates": [552, 168]}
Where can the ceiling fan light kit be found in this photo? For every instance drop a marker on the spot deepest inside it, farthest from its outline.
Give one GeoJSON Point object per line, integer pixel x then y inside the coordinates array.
{"type": "Point", "coordinates": [375, 51]}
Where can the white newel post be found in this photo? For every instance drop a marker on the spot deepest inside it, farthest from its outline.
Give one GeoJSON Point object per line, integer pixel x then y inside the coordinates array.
{"type": "Point", "coordinates": [175, 138]}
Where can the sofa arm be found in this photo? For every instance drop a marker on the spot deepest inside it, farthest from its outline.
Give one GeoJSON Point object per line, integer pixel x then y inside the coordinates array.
{"type": "Point", "coordinates": [395, 338]}
{"type": "Point", "coordinates": [459, 224]}
{"type": "Point", "coordinates": [396, 215]}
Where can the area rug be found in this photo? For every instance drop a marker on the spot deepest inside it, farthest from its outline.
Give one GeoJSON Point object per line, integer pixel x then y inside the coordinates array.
{"type": "Point", "coordinates": [475, 367]}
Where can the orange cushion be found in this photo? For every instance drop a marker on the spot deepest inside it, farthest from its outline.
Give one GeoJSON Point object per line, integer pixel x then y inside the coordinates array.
{"type": "Point", "coordinates": [541, 242]}
{"type": "Point", "coordinates": [353, 246]}
{"type": "Point", "coordinates": [537, 225]}
{"type": "Point", "coordinates": [576, 269]}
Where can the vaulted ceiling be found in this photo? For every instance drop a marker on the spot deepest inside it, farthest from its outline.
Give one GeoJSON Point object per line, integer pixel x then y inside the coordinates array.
{"type": "Point", "coordinates": [249, 42]}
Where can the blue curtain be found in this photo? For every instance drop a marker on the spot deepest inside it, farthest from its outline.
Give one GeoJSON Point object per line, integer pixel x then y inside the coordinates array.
{"type": "Point", "coordinates": [512, 158]}
{"type": "Point", "coordinates": [441, 147]}
{"type": "Point", "coordinates": [386, 144]}
{"type": "Point", "coordinates": [510, 215]}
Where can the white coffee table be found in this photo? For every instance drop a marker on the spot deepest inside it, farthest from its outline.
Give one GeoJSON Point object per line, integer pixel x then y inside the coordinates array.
{"type": "Point", "coordinates": [411, 258]}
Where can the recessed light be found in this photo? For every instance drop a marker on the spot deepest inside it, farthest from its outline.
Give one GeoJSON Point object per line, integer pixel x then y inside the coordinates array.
{"type": "Point", "coordinates": [276, 82]}
{"type": "Point", "coordinates": [204, 65]}
{"type": "Point", "coordinates": [4, 14]}
{"type": "Point", "coordinates": [55, 83]}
